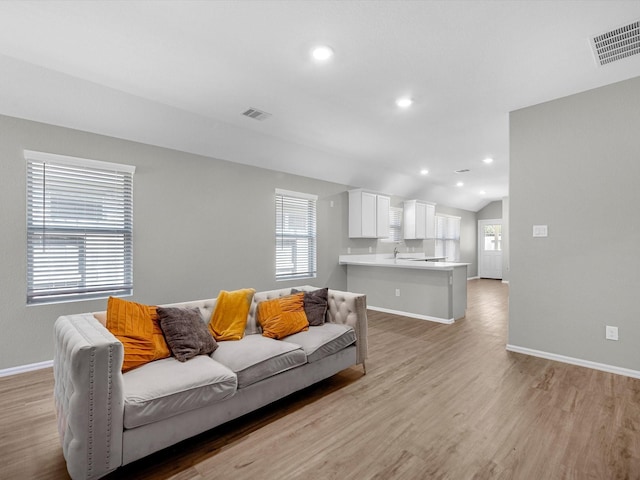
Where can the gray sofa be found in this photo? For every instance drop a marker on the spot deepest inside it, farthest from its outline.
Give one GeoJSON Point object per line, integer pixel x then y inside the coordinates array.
{"type": "Point", "coordinates": [107, 419]}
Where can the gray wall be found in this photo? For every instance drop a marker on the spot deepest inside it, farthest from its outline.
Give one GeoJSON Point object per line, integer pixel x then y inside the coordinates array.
{"type": "Point", "coordinates": [492, 211]}
{"type": "Point", "coordinates": [575, 166]}
{"type": "Point", "coordinates": [200, 225]}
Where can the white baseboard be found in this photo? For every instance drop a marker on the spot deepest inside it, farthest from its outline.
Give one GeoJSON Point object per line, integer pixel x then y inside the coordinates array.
{"type": "Point", "coordinates": [627, 372]}
{"type": "Point", "coordinates": [448, 321]}
{"type": "Point", "coordinates": [473, 278]}
{"type": "Point", "coordinates": [505, 281]}
{"type": "Point", "coordinates": [26, 368]}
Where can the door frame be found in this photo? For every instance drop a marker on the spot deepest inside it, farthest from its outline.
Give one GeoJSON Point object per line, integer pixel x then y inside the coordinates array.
{"type": "Point", "coordinates": [481, 224]}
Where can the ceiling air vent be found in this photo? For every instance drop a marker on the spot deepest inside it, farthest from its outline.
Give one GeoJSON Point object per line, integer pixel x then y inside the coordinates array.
{"type": "Point", "coordinates": [256, 114]}
{"type": "Point", "coordinates": [463, 170]}
{"type": "Point", "coordinates": [617, 44]}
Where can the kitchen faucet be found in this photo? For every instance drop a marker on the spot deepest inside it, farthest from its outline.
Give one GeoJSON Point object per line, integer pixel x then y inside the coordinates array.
{"type": "Point", "coordinates": [395, 253]}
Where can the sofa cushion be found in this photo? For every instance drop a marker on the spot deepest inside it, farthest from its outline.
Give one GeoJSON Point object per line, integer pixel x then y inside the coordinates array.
{"type": "Point", "coordinates": [324, 340]}
{"type": "Point", "coordinates": [167, 387]}
{"type": "Point", "coordinates": [255, 357]}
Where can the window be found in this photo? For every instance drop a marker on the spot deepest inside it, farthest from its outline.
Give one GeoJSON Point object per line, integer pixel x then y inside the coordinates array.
{"type": "Point", "coordinates": [492, 238]}
{"type": "Point", "coordinates": [395, 225]}
{"type": "Point", "coordinates": [295, 235]}
{"type": "Point", "coordinates": [79, 228]}
{"type": "Point", "coordinates": [448, 237]}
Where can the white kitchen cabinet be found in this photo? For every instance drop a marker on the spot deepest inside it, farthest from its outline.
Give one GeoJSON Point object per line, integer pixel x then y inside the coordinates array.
{"type": "Point", "coordinates": [419, 220]}
{"type": "Point", "coordinates": [383, 203]}
{"type": "Point", "coordinates": [368, 214]}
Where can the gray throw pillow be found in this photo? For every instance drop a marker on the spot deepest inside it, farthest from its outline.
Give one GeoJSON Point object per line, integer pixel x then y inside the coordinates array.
{"type": "Point", "coordinates": [187, 335]}
{"type": "Point", "coordinates": [315, 305]}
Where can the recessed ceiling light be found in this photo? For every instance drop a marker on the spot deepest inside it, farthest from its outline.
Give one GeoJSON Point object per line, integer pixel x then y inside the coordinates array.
{"type": "Point", "coordinates": [482, 192]}
{"type": "Point", "coordinates": [322, 53]}
{"type": "Point", "coordinates": [488, 160]}
{"type": "Point", "coordinates": [460, 184]}
{"type": "Point", "coordinates": [424, 171]}
{"type": "Point", "coordinates": [404, 102]}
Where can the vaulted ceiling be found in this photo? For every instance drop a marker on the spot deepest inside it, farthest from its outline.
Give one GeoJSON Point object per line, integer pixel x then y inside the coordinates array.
{"type": "Point", "coordinates": [179, 74]}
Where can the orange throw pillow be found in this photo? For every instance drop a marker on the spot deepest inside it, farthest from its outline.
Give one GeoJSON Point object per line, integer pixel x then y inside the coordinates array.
{"type": "Point", "coordinates": [229, 317]}
{"type": "Point", "coordinates": [159, 342]}
{"type": "Point", "coordinates": [137, 327]}
{"type": "Point", "coordinates": [284, 316]}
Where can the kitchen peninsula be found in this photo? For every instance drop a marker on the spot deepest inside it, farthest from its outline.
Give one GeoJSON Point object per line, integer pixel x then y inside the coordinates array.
{"type": "Point", "coordinates": [409, 286]}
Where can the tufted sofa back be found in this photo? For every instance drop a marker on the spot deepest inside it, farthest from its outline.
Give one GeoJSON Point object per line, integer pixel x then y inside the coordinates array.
{"type": "Point", "coordinates": [344, 307]}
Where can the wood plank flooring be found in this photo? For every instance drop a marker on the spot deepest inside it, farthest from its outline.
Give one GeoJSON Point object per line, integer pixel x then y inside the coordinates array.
{"type": "Point", "coordinates": [438, 401]}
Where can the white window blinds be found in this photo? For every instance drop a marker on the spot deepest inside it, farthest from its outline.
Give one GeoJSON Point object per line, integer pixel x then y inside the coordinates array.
{"type": "Point", "coordinates": [448, 237]}
{"type": "Point", "coordinates": [295, 235]}
{"type": "Point", "coordinates": [79, 228]}
{"type": "Point", "coordinates": [395, 225]}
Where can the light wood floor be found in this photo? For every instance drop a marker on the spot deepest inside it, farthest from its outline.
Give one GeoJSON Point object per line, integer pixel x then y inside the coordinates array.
{"type": "Point", "coordinates": [438, 401]}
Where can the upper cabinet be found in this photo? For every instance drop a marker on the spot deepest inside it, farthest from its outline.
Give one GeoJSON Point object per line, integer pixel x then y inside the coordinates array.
{"type": "Point", "coordinates": [383, 203]}
{"type": "Point", "coordinates": [419, 220]}
{"type": "Point", "coordinates": [368, 214]}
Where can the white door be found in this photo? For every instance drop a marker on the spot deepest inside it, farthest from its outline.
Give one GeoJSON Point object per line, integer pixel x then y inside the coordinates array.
{"type": "Point", "coordinates": [490, 248]}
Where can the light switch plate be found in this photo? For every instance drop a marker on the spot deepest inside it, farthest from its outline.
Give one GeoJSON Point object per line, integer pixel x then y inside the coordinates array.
{"type": "Point", "coordinates": [540, 231]}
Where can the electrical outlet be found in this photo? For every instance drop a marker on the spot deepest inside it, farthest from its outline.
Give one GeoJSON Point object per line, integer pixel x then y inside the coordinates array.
{"type": "Point", "coordinates": [370, 249]}
{"type": "Point", "coordinates": [349, 250]}
{"type": "Point", "coordinates": [397, 292]}
{"type": "Point", "coordinates": [611, 333]}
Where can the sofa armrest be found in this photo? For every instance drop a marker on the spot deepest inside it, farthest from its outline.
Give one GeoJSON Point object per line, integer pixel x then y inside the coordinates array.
{"type": "Point", "coordinates": [88, 394]}
{"type": "Point", "coordinates": [351, 309]}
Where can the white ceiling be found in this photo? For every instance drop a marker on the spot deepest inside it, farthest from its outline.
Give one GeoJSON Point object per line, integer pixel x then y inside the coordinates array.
{"type": "Point", "coordinates": [179, 74]}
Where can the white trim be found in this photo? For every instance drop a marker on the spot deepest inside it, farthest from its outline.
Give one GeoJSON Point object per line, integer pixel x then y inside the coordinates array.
{"type": "Point", "coordinates": [627, 372]}
{"type": "Point", "coordinates": [289, 193]}
{"type": "Point", "coordinates": [25, 368]}
{"type": "Point", "coordinates": [473, 278]}
{"type": "Point", "coordinates": [77, 161]}
{"type": "Point", "coordinates": [505, 281]}
{"type": "Point", "coordinates": [448, 321]}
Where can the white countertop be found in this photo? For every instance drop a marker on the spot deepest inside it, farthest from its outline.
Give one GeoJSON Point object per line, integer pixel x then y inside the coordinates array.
{"type": "Point", "coordinates": [403, 261]}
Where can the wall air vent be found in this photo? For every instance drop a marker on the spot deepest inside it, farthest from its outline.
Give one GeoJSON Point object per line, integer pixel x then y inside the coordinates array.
{"type": "Point", "coordinates": [617, 44]}
{"type": "Point", "coordinates": [256, 114]}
